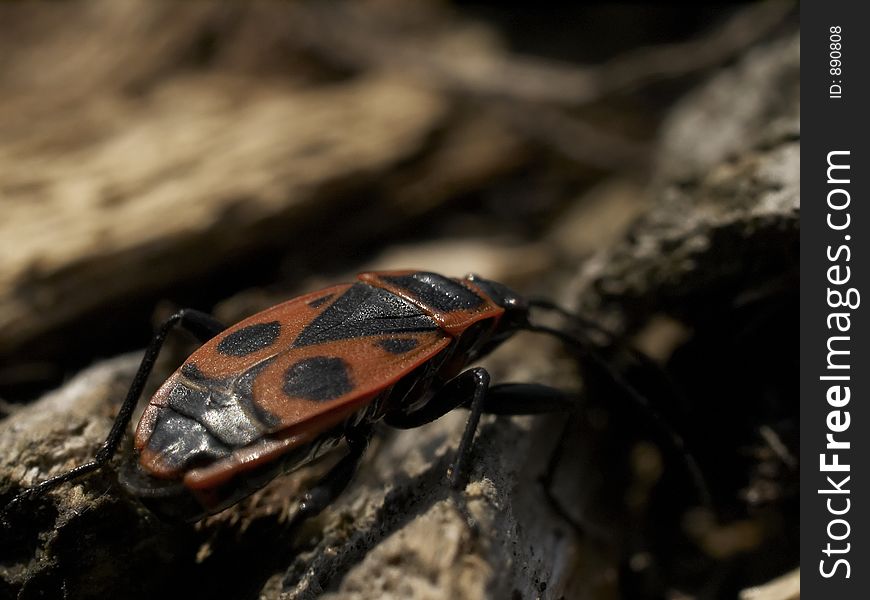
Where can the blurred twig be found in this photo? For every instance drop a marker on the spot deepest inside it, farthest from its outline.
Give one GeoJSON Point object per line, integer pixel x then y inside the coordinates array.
{"type": "Point", "coordinates": [532, 93]}
{"type": "Point", "coordinates": [572, 137]}
{"type": "Point", "coordinates": [639, 67]}
{"type": "Point", "coordinates": [353, 39]}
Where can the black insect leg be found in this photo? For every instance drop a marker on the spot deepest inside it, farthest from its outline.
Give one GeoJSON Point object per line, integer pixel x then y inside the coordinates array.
{"type": "Point", "coordinates": [512, 399]}
{"type": "Point", "coordinates": [480, 380]}
{"type": "Point", "coordinates": [471, 390]}
{"type": "Point", "coordinates": [597, 367]}
{"type": "Point", "coordinates": [527, 399]}
{"type": "Point", "coordinates": [548, 478]}
{"type": "Point", "coordinates": [533, 399]}
{"type": "Point", "coordinates": [203, 326]}
{"type": "Point", "coordinates": [467, 389]}
{"type": "Point", "coordinates": [337, 479]}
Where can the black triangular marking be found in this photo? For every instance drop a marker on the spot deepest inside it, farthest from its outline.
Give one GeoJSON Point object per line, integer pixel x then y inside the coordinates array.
{"type": "Point", "coordinates": [361, 311]}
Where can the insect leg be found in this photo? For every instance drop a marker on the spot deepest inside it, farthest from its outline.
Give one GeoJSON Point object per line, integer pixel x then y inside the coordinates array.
{"type": "Point", "coordinates": [504, 399]}
{"type": "Point", "coordinates": [337, 479]}
{"type": "Point", "coordinates": [531, 399]}
{"type": "Point", "coordinates": [527, 399]}
{"type": "Point", "coordinates": [479, 378]}
{"type": "Point", "coordinates": [468, 389]}
{"type": "Point", "coordinates": [597, 367]}
{"type": "Point", "coordinates": [547, 479]}
{"type": "Point", "coordinates": [201, 325]}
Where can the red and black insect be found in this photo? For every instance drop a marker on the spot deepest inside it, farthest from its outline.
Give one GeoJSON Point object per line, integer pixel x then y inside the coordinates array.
{"type": "Point", "coordinates": [293, 382]}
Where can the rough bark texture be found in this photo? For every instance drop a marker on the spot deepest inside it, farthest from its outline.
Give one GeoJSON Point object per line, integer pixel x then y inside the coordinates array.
{"type": "Point", "coordinates": [234, 157]}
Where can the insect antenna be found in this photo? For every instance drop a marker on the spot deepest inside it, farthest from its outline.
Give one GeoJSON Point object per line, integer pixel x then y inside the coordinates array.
{"type": "Point", "coordinates": [577, 339]}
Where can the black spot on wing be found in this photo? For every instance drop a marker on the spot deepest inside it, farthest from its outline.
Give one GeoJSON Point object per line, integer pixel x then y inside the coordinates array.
{"type": "Point", "coordinates": [250, 339]}
{"type": "Point", "coordinates": [319, 378]}
{"type": "Point", "coordinates": [398, 345]}
{"type": "Point", "coordinates": [191, 371]}
{"type": "Point", "coordinates": [361, 311]}
{"type": "Point", "coordinates": [318, 302]}
{"type": "Point", "coordinates": [441, 293]}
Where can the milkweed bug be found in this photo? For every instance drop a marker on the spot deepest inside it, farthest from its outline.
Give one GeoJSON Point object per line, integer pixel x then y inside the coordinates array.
{"type": "Point", "coordinates": [289, 384]}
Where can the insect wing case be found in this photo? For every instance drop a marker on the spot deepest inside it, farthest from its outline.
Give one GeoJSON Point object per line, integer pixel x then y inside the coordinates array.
{"type": "Point", "coordinates": [274, 391]}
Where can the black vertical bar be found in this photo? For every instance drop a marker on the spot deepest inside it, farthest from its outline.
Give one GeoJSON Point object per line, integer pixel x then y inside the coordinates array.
{"type": "Point", "coordinates": [835, 268]}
